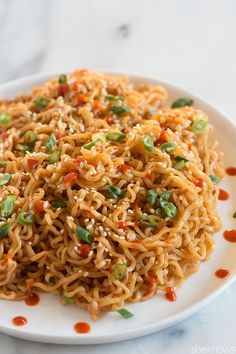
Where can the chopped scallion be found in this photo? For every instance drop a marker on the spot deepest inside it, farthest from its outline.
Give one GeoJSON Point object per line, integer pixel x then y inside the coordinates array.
{"type": "Point", "coordinates": [4, 118]}
{"type": "Point", "coordinates": [151, 197]}
{"type": "Point", "coordinates": [115, 192]}
{"type": "Point", "coordinates": [168, 207]}
{"type": "Point", "coordinates": [115, 136]}
{"type": "Point", "coordinates": [119, 270]}
{"type": "Point", "coordinates": [114, 98]}
{"type": "Point", "coordinates": [4, 228]}
{"type": "Point", "coordinates": [148, 143]}
{"type": "Point", "coordinates": [168, 147]}
{"type": "Point", "coordinates": [89, 145]}
{"type": "Point", "coordinates": [3, 163]}
{"type": "Point", "coordinates": [5, 179]}
{"type": "Point", "coordinates": [148, 221]}
{"type": "Point", "coordinates": [84, 234]}
{"type": "Point", "coordinates": [214, 179]}
{"type": "Point", "coordinates": [51, 141]}
{"type": "Point", "coordinates": [119, 110]}
{"type": "Point", "coordinates": [26, 218]}
{"type": "Point", "coordinates": [54, 157]}
{"type": "Point", "coordinates": [7, 206]}
{"type": "Point", "coordinates": [62, 79]}
{"type": "Point", "coordinates": [41, 102]}
{"type": "Point", "coordinates": [67, 299]}
{"type": "Point", "coordinates": [182, 102]}
{"type": "Point", "coordinates": [59, 204]}
{"type": "Point", "coordinates": [199, 126]}
{"type": "Point", "coordinates": [125, 313]}
{"type": "Point", "coordinates": [30, 138]}
{"type": "Point", "coordinates": [165, 195]}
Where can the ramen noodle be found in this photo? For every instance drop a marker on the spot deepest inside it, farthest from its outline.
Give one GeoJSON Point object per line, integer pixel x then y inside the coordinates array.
{"type": "Point", "coordinates": [107, 194]}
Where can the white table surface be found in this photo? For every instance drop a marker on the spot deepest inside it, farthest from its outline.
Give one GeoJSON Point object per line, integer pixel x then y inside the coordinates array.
{"type": "Point", "coordinates": [191, 43]}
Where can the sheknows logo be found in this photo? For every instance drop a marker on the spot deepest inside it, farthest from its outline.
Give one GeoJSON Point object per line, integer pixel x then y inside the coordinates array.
{"type": "Point", "coordinates": [213, 349]}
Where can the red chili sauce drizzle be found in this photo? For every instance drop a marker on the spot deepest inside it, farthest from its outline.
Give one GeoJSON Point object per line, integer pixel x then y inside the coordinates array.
{"type": "Point", "coordinates": [230, 235]}
{"type": "Point", "coordinates": [221, 273]}
{"type": "Point", "coordinates": [32, 299]}
{"type": "Point", "coordinates": [231, 171]}
{"type": "Point", "coordinates": [170, 294]}
{"type": "Point", "coordinates": [82, 327]}
{"type": "Point", "coordinates": [223, 195]}
{"type": "Point", "coordinates": [19, 321]}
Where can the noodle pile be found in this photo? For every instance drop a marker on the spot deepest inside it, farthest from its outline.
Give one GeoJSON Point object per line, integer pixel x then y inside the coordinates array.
{"type": "Point", "coordinates": [112, 196]}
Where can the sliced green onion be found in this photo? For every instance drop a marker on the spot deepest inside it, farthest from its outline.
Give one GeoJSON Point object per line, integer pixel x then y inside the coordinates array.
{"type": "Point", "coordinates": [148, 221]}
{"type": "Point", "coordinates": [59, 204]}
{"type": "Point", "coordinates": [41, 102]}
{"type": "Point", "coordinates": [120, 110]}
{"type": "Point", "coordinates": [8, 206]}
{"type": "Point", "coordinates": [199, 126]}
{"type": "Point", "coordinates": [182, 102]}
{"type": "Point", "coordinates": [153, 111]}
{"type": "Point", "coordinates": [234, 215]}
{"type": "Point", "coordinates": [89, 145]}
{"type": "Point", "coordinates": [160, 212]}
{"type": "Point", "coordinates": [125, 313]}
{"type": "Point", "coordinates": [180, 162]}
{"type": "Point", "coordinates": [51, 141]}
{"type": "Point", "coordinates": [23, 148]}
{"type": "Point", "coordinates": [84, 234]}
{"type": "Point", "coordinates": [114, 98]}
{"type": "Point", "coordinates": [115, 136]}
{"type": "Point", "coordinates": [62, 79]}
{"type": "Point", "coordinates": [165, 195]}
{"type": "Point", "coordinates": [98, 137]}
{"type": "Point", "coordinates": [26, 218]}
{"type": "Point", "coordinates": [148, 143]}
{"type": "Point", "coordinates": [115, 192]}
{"type": "Point", "coordinates": [67, 299]}
{"type": "Point", "coordinates": [54, 157]}
{"type": "Point", "coordinates": [215, 179]}
{"type": "Point", "coordinates": [151, 196]}
{"type": "Point", "coordinates": [168, 147]}
{"type": "Point", "coordinates": [119, 270]}
{"type": "Point", "coordinates": [30, 138]}
{"type": "Point", "coordinates": [4, 228]}
{"type": "Point", "coordinates": [4, 118]}
{"type": "Point", "coordinates": [3, 163]}
{"type": "Point", "coordinates": [168, 207]}
{"type": "Point", "coordinates": [5, 179]}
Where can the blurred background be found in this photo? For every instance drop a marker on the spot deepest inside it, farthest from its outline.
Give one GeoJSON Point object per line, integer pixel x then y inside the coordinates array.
{"type": "Point", "coordinates": [188, 42]}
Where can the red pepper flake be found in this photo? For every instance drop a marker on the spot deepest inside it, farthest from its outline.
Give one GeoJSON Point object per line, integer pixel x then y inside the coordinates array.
{"type": "Point", "coordinates": [152, 284]}
{"type": "Point", "coordinates": [109, 119]}
{"type": "Point", "coordinates": [96, 104]}
{"type": "Point", "coordinates": [151, 177]}
{"type": "Point", "coordinates": [163, 138]}
{"type": "Point", "coordinates": [39, 206]}
{"type": "Point", "coordinates": [84, 250]}
{"type": "Point", "coordinates": [221, 273]}
{"type": "Point", "coordinates": [70, 177]}
{"type": "Point", "coordinates": [74, 86]}
{"type": "Point", "coordinates": [231, 171]}
{"type": "Point", "coordinates": [121, 225]}
{"type": "Point", "coordinates": [5, 136]}
{"type": "Point", "coordinates": [31, 163]}
{"type": "Point", "coordinates": [82, 98]}
{"type": "Point", "coordinates": [58, 135]}
{"type": "Point", "coordinates": [223, 195]}
{"type": "Point", "coordinates": [62, 89]}
{"type": "Point", "coordinates": [78, 161]}
{"type": "Point", "coordinates": [137, 223]}
{"type": "Point", "coordinates": [199, 182]}
{"type": "Point", "coordinates": [82, 327]}
{"type": "Point", "coordinates": [124, 168]}
{"type": "Point", "coordinates": [190, 146]}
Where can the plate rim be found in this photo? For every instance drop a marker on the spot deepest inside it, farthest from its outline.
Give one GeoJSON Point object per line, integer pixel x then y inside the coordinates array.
{"type": "Point", "coordinates": [146, 329]}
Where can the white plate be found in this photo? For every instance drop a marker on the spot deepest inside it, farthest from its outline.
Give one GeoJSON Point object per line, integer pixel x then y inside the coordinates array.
{"type": "Point", "coordinates": [53, 323]}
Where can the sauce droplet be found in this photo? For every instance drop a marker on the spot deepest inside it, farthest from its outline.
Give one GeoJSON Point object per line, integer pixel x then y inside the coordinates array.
{"type": "Point", "coordinates": [221, 273]}
{"type": "Point", "coordinates": [19, 321]}
{"type": "Point", "coordinates": [170, 294]}
{"type": "Point", "coordinates": [231, 171]}
{"type": "Point", "coordinates": [82, 327]}
{"type": "Point", "coordinates": [230, 235]}
{"type": "Point", "coordinates": [223, 195]}
{"type": "Point", "coordinates": [32, 299]}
